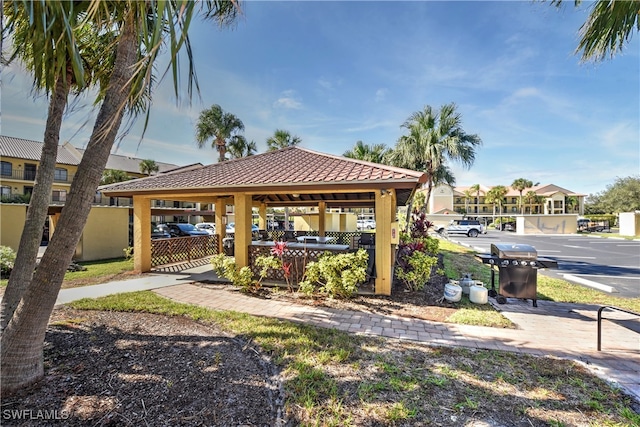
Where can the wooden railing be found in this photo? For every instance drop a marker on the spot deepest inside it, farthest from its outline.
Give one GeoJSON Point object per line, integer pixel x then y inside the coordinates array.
{"type": "Point", "coordinates": [182, 249]}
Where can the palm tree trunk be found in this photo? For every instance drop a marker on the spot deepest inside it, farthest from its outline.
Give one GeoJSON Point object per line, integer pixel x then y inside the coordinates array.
{"type": "Point", "coordinates": [21, 355]}
{"type": "Point", "coordinates": [38, 205]}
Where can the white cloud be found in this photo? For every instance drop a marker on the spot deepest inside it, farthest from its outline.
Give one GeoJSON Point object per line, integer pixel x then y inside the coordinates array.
{"type": "Point", "coordinates": [288, 100]}
{"type": "Point", "coordinates": [381, 94]}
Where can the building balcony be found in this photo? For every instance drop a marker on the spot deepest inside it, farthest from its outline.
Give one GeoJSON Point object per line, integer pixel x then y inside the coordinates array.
{"type": "Point", "coordinates": [28, 175]}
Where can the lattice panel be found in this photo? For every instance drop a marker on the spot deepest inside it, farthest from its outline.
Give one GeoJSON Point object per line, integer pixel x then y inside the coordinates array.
{"type": "Point", "coordinates": [298, 258]}
{"type": "Point", "coordinates": [182, 249]}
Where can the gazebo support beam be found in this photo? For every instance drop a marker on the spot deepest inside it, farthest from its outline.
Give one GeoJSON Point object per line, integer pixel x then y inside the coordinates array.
{"type": "Point", "coordinates": [220, 225]}
{"type": "Point", "coordinates": [243, 220]}
{"type": "Point", "coordinates": [322, 210]}
{"type": "Point", "coordinates": [141, 234]}
{"type": "Point", "coordinates": [385, 215]}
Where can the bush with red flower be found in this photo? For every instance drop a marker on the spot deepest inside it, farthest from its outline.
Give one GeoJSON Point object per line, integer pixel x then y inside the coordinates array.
{"type": "Point", "coordinates": [417, 253]}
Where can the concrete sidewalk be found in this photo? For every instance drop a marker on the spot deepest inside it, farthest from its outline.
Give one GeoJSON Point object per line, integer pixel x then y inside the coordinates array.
{"type": "Point", "coordinates": [562, 330]}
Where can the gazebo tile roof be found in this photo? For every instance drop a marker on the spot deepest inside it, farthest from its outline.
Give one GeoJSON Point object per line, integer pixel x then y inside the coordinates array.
{"type": "Point", "coordinates": [292, 165]}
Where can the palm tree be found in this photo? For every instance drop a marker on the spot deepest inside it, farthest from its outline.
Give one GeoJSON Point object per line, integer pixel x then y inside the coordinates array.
{"type": "Point", "coordinates": [468, 195]}
{"type": "Point", "coordinates": [148, 167]}
{"type": "Point", "coordinates": [239, 147]}
{"type": "Point", "coordinates": [57, 68]}
{"type": "Point", "coordinates": [571, 202]}
{"type": "Point", "coordinates": [433, 139]}
{"type": "Point", "coordinates": [111, 176]}
{"type": "Point", "coordinates": [476, 189]}
{"type": "Point", "coordinates": [375, 153]}
{"type": "Point", "coordinates": [495, 196]}
{"type": "Point", "coordinates": [282, 139]}
{"type": "Point", "coordinates": [216, 124]}
{"type": "Point", "coordinates": [141, 28]}
{"type": "Point", "coordinates": [531, 198]}
{"type": "Point", "coordinates": [521, 184]}
{"type": "Point", "coordinates": [607, 29]}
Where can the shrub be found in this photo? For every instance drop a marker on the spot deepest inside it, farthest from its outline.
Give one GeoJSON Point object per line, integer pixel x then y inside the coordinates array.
{"type": "Point", "coordinates": [225, 266]}
{"type": "Point", "coordinates": [337, 276]}
{"type": "Point", "coordinates": [7, 258]}
{"type": "Point", "coordinates": [416, 269]}
{"type": "Point", "coordinates": [417, 253]}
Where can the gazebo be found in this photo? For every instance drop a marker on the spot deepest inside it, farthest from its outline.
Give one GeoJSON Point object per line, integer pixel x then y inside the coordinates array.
{"type": "Point", "coordinates": [292, 176]}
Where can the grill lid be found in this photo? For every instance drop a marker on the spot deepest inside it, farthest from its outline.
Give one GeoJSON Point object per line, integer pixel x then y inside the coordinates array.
{"type": "Point", "coordinates": [513, 251]}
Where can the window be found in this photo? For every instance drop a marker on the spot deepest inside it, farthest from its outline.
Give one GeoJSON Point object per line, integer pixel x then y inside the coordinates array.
{"type": "Point", "coordinates": [6, 192]}
{"type": "Point", "coordinates": [6, 169]}
{"type": "Point", "coordinates": [514, 200]}
{"type": "Point", "coordinates": [59, 196]}
{"type": "Point", "coordinates": [60, 175]}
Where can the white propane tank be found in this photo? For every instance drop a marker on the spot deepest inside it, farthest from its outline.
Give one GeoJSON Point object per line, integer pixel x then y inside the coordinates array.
{"type": "Point", "coordinates": [478, 293]}
{"type": "Point", "coordinates": [452, 291]}
{"type": "Point", "coordinates": [465, 283]}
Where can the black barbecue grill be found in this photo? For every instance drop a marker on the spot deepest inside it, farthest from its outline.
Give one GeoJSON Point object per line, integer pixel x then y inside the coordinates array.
{"type": "Point", "coordinates": [517, 266]}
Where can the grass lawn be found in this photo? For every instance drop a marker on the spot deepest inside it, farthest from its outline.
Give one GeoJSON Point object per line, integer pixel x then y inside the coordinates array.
{"type": "Point", "coordinates": [97, 272]}
{"type": "Point", "coordinates": [332, 378]}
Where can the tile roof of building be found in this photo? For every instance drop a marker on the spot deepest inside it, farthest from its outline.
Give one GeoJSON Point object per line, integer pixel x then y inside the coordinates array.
{"type": "Point", "coordinates": [131, 164]}
{"type": "Point", "coordinates": [286, 168]}
{"type": "Point", "coordinates": [32, 150]}
{"type": "Point", "coordinates": [20, 148]}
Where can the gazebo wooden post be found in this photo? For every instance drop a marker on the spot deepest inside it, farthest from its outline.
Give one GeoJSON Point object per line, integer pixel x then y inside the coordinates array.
{"type": "Point", "coordinates": [385, 215]}
{"type": "Point", "coordinates": [220, 226]}
{"type": "Point", "coordinates": [242, 237]}
{"type": "Point", "coordinates": [141, 234]}
{"type": "Point", "coordinates": [262, 216]}
{"type": "Point", "coordinates": [322, 208]}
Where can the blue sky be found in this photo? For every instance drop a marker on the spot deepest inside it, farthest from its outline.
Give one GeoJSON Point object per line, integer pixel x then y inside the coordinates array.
{"type": "Point", "coordinates": [334, 73]}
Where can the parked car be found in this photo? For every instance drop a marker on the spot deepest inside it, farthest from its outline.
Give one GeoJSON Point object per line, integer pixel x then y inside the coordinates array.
{"type": "Point", "coordinates": [182, 229]}
{"type": "Point", "coordinates": [159, 233]}
{"type": "Point", "coordinates": [471, 228]}
{"type": "Point", "coordinates": [231, 228]}
{"type": "Point", "coordinates": [209, 227]}
{"type": "Point", "coordinates": [366, 224]}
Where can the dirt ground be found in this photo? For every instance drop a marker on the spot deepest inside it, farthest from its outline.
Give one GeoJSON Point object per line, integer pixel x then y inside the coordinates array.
{"type": "Point", "coordinates": [137, 369]}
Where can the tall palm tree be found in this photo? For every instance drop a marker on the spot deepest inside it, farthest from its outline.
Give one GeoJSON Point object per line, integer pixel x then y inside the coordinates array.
{"type": "Point", "coordinates": [435, 138]}
{"type": "Point", "coordinates": [608, 28]}
{"type": "Point", "coordinates": [148, 166]}
{"type": "Point", "coordinates": [495, 196]}
{"type": "Point", "coordinates": [476, 189]}
{"type": "Point", "coordinates": [69, 63]}
{"type": "Point", "coordinates": [219, 126]}
{"type": "Point", "coordinates": [142, 28]}
{"type": "Point", "coordinates": [282, 139]}
{"type": "Point", "coordinates": [239, 147]}
{"type": "Point", "coordinates": [375, 153]}
{"type": "Point", "coordinates": [468, 195]}
{"type": "Point", "coordinates": [531, 198]}
{"type": "Point", "coordinates": [521, 184]}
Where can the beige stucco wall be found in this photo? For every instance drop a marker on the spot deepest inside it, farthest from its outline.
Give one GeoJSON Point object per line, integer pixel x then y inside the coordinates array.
{"type": "Point", "coordinates": [105, 235]}
{"type": "Point", "coordinates": [547, 224]}
{"type": "Point", "coordinates": [333, 222]}
{"type": "Point", "coordinates": [12, 217]}
{"type": "Point", "coordinates": [441, 198]}
{"type": "Point", "coordinates": [629, 223]}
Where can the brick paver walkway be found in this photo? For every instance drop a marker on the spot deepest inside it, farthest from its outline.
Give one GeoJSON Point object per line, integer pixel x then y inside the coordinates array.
{"type": "Point", "coordinates": [554, 329]}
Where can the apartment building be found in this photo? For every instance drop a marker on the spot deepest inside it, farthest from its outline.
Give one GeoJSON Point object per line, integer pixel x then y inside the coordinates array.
{"type": "Point", "coordinates": [547, 199]}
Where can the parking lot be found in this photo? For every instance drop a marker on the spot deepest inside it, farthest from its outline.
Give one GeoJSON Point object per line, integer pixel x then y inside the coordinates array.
{"type": "Point", "coordinates": [610, 265]}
